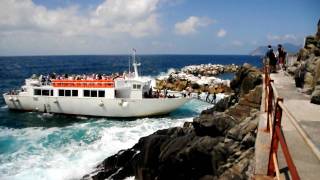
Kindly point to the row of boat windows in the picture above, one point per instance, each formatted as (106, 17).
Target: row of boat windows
(67, 92)
(93, 93)
(136, 86)
(43, 92)
(63, 92)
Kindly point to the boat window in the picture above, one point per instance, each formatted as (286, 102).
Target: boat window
(93, 93)
(61, 92)
(67, 93)
(138, 86)
(86, 93)
(134, 86)
(101, 93)
(37, 92)
(74, 92)
(51, 92)
(45, 92)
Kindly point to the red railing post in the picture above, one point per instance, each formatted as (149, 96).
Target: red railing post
(270, 105)
(292, 168)
(266, 83)
(275, 137)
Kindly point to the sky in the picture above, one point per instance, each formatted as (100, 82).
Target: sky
(76, 27)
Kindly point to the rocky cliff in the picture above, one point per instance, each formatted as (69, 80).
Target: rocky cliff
(219, 144)
(308, 62)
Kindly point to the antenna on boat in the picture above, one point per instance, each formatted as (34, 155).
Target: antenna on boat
(129, 66)
(135, 64)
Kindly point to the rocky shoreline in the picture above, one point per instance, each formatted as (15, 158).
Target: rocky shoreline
(306, 68)
(198, 78)
(219, 144)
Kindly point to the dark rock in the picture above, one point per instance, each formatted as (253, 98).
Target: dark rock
(217, 125)
(239, 168)
(249, 140)
(315, 97)
(246, 79)
(318, 31)
(190, 160)
(195, 86)
(311, 40)
(216, 145)
(207, 177)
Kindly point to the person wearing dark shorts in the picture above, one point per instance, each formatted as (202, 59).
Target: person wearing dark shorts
(272, 59)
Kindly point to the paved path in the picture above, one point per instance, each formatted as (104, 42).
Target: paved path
(306, 113)
(308, 116)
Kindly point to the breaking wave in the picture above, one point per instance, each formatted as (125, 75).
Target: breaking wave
(70, 152)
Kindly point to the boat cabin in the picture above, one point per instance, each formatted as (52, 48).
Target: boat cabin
(119, 88)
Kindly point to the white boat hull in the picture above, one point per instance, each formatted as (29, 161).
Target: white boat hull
(95, 106)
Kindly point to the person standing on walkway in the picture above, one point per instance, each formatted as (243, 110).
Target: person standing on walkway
(272, 59)
(281, 56)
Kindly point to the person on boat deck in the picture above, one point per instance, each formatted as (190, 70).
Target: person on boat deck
(150, 92)
(165, 93)
(272, 59)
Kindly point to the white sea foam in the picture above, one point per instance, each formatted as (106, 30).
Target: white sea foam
(4, 107)
(164, 75)
(72, 151)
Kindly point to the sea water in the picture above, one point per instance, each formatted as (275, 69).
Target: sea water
(44, 146)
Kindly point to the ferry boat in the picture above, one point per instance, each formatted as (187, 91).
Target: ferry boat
(125, 96)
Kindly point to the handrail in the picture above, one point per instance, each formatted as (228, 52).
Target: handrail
(274, 108)
(302, 132)
(275, 92)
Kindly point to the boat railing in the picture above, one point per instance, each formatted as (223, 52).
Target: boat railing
(83, 83)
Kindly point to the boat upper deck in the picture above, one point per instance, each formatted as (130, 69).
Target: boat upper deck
(109, 83)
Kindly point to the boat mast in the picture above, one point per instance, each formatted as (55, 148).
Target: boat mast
(135, 64)
(129, 66)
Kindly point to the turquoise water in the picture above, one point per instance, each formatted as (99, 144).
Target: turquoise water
(43, 146)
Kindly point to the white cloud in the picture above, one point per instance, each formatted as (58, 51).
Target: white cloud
(286, 37)
(135, 17)
(221, 33)
(254, 42)
(52, 28)
(237, 43)
(190, 25)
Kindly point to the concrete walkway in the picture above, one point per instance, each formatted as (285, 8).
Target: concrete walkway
(308, 116)
(306, 113)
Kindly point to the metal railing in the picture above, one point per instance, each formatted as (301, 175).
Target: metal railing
(275, 108)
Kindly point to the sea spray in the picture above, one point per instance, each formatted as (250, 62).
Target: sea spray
(71, 151)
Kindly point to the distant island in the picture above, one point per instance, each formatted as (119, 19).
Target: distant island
(261, 50)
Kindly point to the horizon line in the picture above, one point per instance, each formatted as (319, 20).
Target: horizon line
(142, 54)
